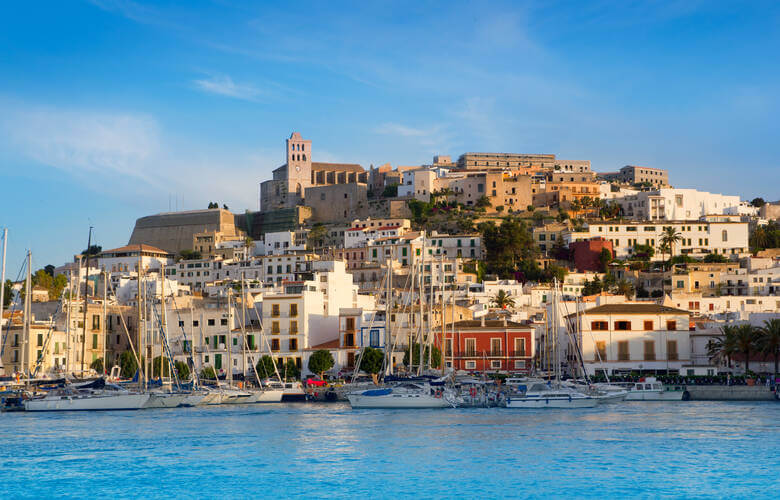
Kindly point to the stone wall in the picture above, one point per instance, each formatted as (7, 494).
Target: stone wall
(173, 231)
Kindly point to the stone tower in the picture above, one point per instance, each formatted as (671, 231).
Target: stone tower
(298, 165)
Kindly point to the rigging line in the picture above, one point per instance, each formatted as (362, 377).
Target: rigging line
(267, 344)
(370, 326)
(127, 332)
(190, 358)
(13, 308)
(164, 341)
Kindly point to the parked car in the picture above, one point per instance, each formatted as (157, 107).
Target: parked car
(314, 381)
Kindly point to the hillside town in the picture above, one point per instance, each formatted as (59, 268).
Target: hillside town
(493, 263)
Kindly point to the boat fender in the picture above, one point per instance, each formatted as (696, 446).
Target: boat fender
(473, 392)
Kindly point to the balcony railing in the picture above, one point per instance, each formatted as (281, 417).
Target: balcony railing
(489, 354)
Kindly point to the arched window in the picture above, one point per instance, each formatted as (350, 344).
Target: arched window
(304, 157)
(298, 189)
(303, 147)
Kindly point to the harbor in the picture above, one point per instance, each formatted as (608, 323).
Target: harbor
(690, 450)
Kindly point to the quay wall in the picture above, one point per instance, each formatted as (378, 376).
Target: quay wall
(730, 393)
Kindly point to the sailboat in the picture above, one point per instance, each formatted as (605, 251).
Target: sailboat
(552, 394)
(96, 395)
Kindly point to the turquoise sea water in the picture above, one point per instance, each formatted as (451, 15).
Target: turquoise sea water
(650, 450)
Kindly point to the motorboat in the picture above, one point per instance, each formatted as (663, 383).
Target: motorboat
(291, 391)
(97, 395)
(650, 389)
(544, 395)
(404, 395)
(264, 396)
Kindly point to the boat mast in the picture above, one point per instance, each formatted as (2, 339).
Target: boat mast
(86, 297)
(68, 319)
(105, 315)
(229, 340)
(443, 315)
(2, 291)
(420, 299)
(139, 343)
(243, 327)
(27, 296)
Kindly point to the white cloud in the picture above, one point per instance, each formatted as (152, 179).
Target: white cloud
(225, 86)
(129, 156)
(435, 138)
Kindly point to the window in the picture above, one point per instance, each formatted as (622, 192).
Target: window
(94, 341)
(671, 325)
(622, 325)
(293, 310)
(471, 347)
(495, 347)
(275, 311)
(374, 338)
(623, 351)
(223, 322)
(724, 235)
(599, 325)
(649, 350)
(275, 327)
(680, 284)
(211, 322)
(274, 344)
(195, 323)
(293, 327)
(601, 351)
(471, 365)
(350, 324)
(95, 322)
(495, 364)
(519, 364)
(671, 350)
(293, 344)
(40, 340)
(648, 324)
(519, 347)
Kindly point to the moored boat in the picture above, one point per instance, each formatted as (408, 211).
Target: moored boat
(407, 395)
(541, 395)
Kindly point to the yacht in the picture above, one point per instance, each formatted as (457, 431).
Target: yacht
(97, 395)
(161, 399)
(405, 395)
(650, 389)
(544, 395)
(291, 391)
(265, 396)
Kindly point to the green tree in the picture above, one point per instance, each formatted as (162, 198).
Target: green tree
(97, 365)
(562, 215)
(92, 250)
(625, 287)
(605, 258)
(670, 237)
(182, 370)
(265, 367)
(190, 254)
(390, 191)
(715, 257)
(372, 362)
(128, 365)
(502, 300)
(316, 237)
(7, 293)
(482, 202)
(769, 340)
(745, 339)
(291, 371)
(166, 367)
(435, 355)
(321, 361)
(758, 202)
(508, 245)
(643, 252)
(208, 373)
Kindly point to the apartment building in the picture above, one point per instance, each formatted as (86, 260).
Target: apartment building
(524, 162)
(634, 337)
(489, 346)
(125, 259)
(698, 237)
(677, 204)
(632, 174)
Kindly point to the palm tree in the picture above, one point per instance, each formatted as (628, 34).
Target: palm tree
(745, 342)
(722, 348)
(503, 300)
(769, 340)
(625, 287)
(669, 237)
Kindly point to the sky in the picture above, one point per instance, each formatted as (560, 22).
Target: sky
(111, 110)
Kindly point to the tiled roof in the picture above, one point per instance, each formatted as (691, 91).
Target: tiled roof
(134, 248)
(632, 309)
(344, 167)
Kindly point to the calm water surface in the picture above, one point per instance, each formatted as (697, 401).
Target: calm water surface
(688, 450)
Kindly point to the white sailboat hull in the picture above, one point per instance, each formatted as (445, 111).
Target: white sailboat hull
(165, 400)
(265, 396)
(397, 401)
(88, 403)
(194, 399)
(551, 402)
(654, 396)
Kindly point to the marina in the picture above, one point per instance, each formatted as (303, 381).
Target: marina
(690, 450)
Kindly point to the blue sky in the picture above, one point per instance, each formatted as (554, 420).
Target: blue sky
(111, 109)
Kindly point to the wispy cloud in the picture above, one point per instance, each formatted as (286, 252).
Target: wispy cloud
(435, 138)
(225, 86)
(131, 154)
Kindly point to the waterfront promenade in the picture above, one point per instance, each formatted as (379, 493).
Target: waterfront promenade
(645, 450)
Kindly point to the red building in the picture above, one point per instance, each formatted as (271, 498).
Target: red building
(489, 345)
(586, 253)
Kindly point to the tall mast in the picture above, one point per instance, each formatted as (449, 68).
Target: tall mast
(105, 316)
(2, 288)
(141, 369)
(27, 299)
(443, 319)
(163, 323)
(388, 313)
(67, 325)
(243, 326)
(86, 297)
(420, 298)
(229, 340)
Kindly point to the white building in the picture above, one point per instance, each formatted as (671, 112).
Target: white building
(467, 246)
(646, 338)
(282, 242)
(357, 237)
(672, 204)
(125, 259)
(699, 237)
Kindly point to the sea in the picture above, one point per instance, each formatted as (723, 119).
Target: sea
(306, 450)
